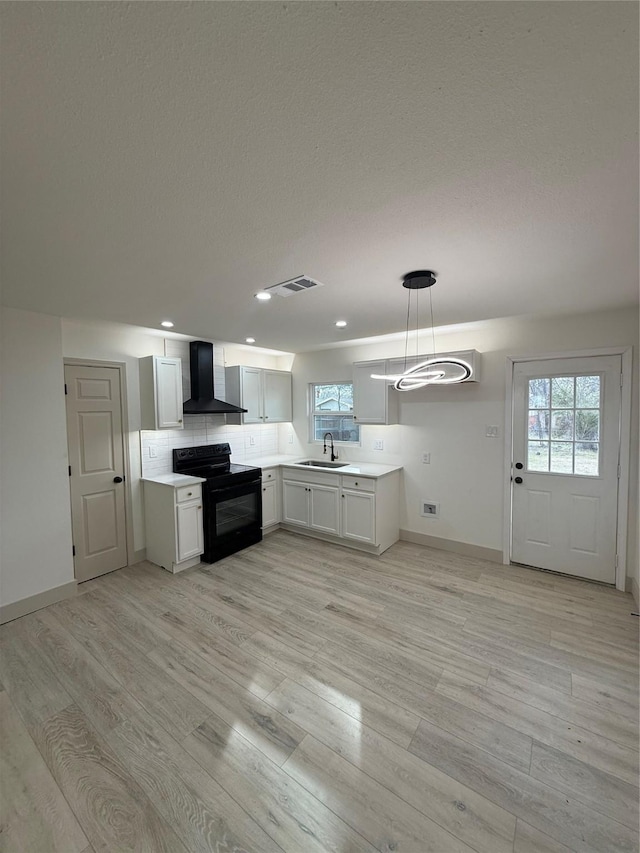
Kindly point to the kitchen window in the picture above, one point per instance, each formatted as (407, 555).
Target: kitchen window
(331, 408)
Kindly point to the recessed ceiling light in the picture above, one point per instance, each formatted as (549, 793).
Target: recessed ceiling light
(250, 340)
(167, 324)
(341, 323)
(263, 296)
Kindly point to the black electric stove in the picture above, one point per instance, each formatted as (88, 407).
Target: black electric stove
(232, 498)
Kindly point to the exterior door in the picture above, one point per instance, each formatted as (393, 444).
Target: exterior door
(566, 439)
(96, 456)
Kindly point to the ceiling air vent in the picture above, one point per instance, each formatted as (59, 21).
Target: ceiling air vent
(294, 285)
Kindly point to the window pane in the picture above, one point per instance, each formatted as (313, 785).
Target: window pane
(539, 393)
(588, 424)
(562, 392)
(538, 424)
(588, 391)
(538, 456)
(341, 427)
(587, 455)
(562, 425)
(333, 398)
(562, 457)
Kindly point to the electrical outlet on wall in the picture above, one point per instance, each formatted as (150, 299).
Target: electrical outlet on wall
(290, 438)
(491, 431)
(153, 452)
(426, 458)
(252, 441)
(378, 444)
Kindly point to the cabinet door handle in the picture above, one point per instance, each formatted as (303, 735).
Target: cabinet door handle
(179, 420)
(264, 490)
(189, 494)
(199, 507)
(356, 482)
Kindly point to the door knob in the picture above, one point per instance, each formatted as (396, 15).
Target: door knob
(519, 466)
(117, 479)
(518, 480)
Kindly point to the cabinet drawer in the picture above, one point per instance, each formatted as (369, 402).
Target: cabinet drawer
(188, 493)
(269, 475)
(365, 484)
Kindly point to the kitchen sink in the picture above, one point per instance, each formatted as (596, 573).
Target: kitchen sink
(313, 463)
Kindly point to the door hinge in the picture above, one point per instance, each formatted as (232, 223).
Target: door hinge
(616, 561)
(69, 470)
(619, 472)
(65, 388)
(73, 549)
(621, 379)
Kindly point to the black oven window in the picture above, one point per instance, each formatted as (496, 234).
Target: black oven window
(236, 513)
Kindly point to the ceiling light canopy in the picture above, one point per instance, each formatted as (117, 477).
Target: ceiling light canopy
(167, 324)
(263, 296)
(250, 340)
(443, 370)
(341, 323)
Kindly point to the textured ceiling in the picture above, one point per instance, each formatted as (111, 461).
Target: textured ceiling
(170, 159)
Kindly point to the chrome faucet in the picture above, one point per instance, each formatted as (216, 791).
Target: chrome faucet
(334, 455)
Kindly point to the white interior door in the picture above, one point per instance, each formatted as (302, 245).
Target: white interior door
(96, 456)
(566, 443)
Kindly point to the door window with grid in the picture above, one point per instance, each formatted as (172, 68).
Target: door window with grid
(563, 434)
(332, 411)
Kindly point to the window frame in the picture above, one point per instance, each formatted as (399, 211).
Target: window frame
(312, 413)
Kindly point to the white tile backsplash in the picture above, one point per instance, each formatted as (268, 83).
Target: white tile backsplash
(204, 429)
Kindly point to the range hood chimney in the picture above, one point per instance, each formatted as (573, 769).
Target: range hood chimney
(202, 401)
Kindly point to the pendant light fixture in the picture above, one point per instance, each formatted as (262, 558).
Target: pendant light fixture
(444, 370)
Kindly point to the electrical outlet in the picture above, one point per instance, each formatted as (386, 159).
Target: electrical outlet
(153, 452)
(491, 432)
(426, 458)
(378, 444)
(252, 441)
(290, 438)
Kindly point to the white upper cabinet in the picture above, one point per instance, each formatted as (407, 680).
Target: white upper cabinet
(265, 394)
(277, 396)
(374, 401)
(161, 392)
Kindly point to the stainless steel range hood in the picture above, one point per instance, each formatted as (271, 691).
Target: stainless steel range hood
(202, 401)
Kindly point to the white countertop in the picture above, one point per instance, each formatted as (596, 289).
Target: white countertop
(363, 469)
(174, 480)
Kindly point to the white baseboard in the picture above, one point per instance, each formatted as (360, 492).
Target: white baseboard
(9, 612)
(464, 548)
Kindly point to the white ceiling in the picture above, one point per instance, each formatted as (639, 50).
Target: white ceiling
(170, 159)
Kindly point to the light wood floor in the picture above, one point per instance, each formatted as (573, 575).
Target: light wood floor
(302, 697)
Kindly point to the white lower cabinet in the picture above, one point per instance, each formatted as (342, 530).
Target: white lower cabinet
(359, 516)
(324, 515)
(270, 498)
(173, 523)
(363, 511)
(312, 505)
(189, 530)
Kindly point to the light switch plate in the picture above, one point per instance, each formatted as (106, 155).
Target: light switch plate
(153, 452)
(378, 444)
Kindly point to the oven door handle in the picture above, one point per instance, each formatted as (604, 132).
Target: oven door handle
(235, 491)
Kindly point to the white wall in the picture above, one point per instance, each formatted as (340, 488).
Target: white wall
(35, 515)
(466, 471)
